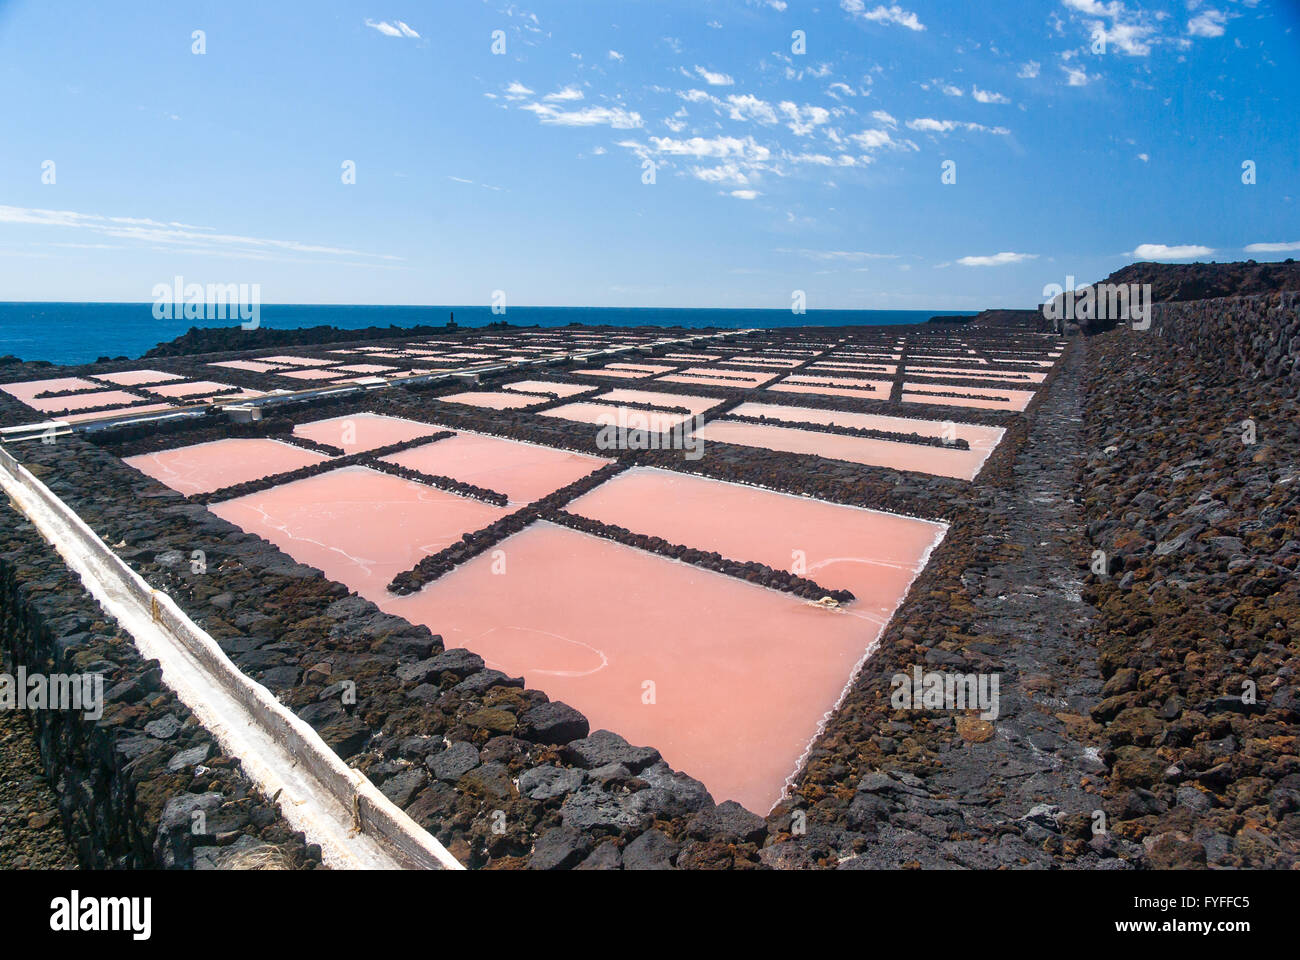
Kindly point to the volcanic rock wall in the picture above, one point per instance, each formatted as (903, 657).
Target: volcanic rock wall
(131, 782)
(1258, 336)
(1193, 502)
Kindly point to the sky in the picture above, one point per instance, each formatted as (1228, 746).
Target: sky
(669, 153)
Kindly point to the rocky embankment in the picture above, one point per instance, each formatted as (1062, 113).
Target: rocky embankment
(1193, 500)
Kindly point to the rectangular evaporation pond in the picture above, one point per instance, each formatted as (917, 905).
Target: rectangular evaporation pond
(719, 378)
(764, 361)
(359, 526)
(628, 418)
(979, 398)
(912, 457)
(133, 378)
(524, 472)
(84, 401)
(983, 440)
(829, 366)
(655, 398)
(292, 361)
(358, 432)
(330, 374)
(196, 388)
(27, 390)
(118, 412)
(364, 368)
(875, 555)
(835, 387)
(691, 357)
(252, 366)
(205, 467)
(1027, 363)
(742, 675)
(545, 386)
(493, 400)
(1003, 375)
(619, 374)
(946, 356)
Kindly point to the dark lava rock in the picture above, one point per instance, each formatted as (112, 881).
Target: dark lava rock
(453, 763)
(604, 747)
(553, 722)
(650, 851)
(403, 786)
(606, 856)
(559, 849)
(543, 783)
(730, 820)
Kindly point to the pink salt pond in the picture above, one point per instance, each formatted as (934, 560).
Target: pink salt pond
(330, 374)
(360, 527)
(133, 378)
(358, 432)
(205, 467)
(292, 361)
(493, 400)
(27, 390)
(964, 466)
(627, 418)
(524, 472)
(980, 398)
(982, 374)
(835, 386)
(252, 366)
(545, 386)
(196, 388)
(719, 377)
(742, 676)
(83, 401)
(913, 457)
(653, 398)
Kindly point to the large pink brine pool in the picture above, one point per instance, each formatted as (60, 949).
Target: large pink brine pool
(205, 467)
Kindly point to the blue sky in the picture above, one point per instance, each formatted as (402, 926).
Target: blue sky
(1084, 134)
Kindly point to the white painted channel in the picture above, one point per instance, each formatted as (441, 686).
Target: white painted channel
(356, 826)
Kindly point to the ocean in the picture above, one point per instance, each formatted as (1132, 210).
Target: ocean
(70, 333)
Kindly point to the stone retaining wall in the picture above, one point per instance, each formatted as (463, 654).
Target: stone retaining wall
(1259, 336)
(130, 782)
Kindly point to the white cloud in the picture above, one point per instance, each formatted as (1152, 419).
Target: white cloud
(750, 107)
(1273, 247)
(1076, 76)
(1144, 157)
(803, 120)
(987, 96)
(880, 116)
(930, 125)
(1030, 70)
(593, 116)
(997, 259)
(517, 91)
(1160, 251)
(720, 147)
(840, 256)
(882, 14)
(1210, 23)
(395, 29)
(615, 55)
(872, 139)
(713, 79)
(744, 194)
(565, 95)
(172, 234)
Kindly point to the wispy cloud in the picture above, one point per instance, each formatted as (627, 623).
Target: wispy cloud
(1273, 247)
(882, 14)
(712, 79)
(172, 235)
(1160, 251)
(593, 116)
(1208, 23)
(997, 259)
(987, 96)
(930, 125)
(396, 28)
